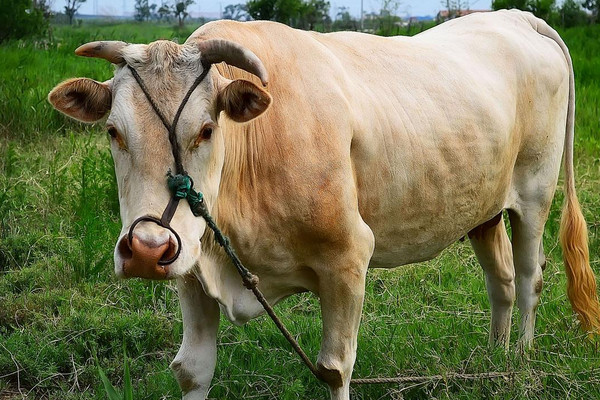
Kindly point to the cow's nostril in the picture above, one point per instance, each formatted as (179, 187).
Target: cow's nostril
(170, 252)
(124, 248)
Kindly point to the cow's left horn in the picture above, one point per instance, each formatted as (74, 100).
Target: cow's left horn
(218, 50)
(109, 50)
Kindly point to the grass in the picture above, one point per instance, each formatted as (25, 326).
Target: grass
(62, 309)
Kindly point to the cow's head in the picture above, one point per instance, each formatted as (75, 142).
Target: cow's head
(139, 141)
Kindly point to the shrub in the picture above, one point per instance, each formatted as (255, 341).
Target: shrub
(21, 18)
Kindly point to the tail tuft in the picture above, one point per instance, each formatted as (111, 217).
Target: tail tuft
(581, 282)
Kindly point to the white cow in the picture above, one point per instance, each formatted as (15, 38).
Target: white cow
(362, 151)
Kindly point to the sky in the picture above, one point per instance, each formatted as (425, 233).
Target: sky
(211, 8)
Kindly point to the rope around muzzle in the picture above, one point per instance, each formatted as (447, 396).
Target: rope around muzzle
(181, 186)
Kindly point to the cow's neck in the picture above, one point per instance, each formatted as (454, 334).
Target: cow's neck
(236, 211)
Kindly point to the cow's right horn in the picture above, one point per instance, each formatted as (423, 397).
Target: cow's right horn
(218, 50)
(109, 50)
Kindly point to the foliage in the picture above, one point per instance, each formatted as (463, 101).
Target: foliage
(540, 8)
(274, 10)
(344, 21)
(237, 12)
(22, 18)
(61, 304)
(111, 391)
(306, 14)
(571, 14)
(180, 10)
(593, 6)
(454, 7)
(313, 13)
(143, 10)
(508, 4)
(388, 18)
(44, 6)
(164, 12)
(71, 8)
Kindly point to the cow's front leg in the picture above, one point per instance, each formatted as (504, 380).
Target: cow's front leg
(341, 306)
(194, 364)
(341, 292)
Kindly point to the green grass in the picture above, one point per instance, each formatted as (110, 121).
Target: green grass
(61, 306)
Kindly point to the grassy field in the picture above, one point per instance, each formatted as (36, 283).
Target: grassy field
(61, 308)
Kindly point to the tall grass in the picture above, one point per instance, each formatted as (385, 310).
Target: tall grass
(60, 302)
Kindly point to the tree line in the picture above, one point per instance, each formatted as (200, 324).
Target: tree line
(569, 13)
(31, 17)
(315, 14)
(144, 11)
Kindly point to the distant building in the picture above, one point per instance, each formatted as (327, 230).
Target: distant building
(445, 15)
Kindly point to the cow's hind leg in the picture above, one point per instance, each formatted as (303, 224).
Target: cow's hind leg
(527, 225)
(341, 292)
(493, 250)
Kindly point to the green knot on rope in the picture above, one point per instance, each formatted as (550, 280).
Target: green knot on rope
(181, 187)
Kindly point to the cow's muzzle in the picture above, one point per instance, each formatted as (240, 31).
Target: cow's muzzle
(147, 258)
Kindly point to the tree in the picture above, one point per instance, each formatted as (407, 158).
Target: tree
(571, 14)
(43, 6)
(314, 12)
(285, 11)
(388, 17)
(508, 4)
(455, 7)
(21, 18)
(540, 8)
(71, 8)
(143, 11)
(164, 12)
(288, 11)
(261, 9)
(594, 7)
(305, 14)
(237, 12)
(180, 10)
(344, 21)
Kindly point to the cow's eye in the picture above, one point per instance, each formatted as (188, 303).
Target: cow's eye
(112, 131)
(205, 134)
(114, 134)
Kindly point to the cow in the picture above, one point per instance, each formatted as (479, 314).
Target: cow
(321, 155)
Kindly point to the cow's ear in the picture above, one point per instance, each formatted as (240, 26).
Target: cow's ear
(82, 99)
(243, 100)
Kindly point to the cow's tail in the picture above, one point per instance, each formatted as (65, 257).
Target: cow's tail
(581, 282)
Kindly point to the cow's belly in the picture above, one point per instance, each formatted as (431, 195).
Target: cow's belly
(418, 201)
(418, 224)
(404, 237)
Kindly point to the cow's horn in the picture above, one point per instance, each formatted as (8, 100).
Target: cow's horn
(109, 50)
(218, 50)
